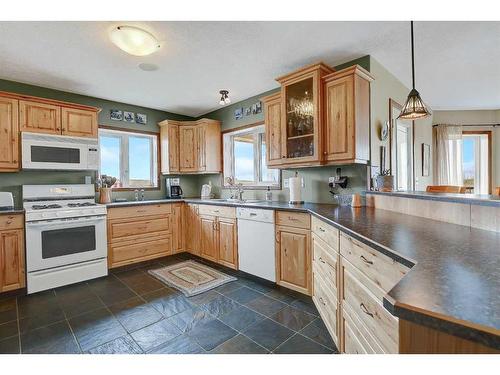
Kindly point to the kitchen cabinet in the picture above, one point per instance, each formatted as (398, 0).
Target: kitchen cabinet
(9, 135)
(192, 228)
(78, 122)
(189, 147)
(227, 242)
(139, 233)
(38, 117)
(208, 237)
(272, 120)
(12, 262)
(347, 116)
(293, 254)
(177, 227)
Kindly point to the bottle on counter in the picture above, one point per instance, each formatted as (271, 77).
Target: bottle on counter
(269, 194)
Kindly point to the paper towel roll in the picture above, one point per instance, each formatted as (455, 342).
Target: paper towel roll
(295, 186)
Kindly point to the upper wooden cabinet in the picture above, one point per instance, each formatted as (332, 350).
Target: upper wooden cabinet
(38, 117)
(79, 123)
(319, 117)
(190, 146)
(347, 116)
(9, 135)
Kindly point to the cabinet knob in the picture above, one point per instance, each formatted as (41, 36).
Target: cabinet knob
(284, 157)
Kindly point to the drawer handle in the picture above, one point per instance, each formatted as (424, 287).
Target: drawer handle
(141, 210)
(322, 301)
(322, 230)
(9, 222)
(365, 260)
(217, 211)
(321, 260)
(253, 214)
(292, 218)
(365, 310)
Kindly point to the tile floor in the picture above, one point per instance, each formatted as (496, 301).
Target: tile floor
(131, 312)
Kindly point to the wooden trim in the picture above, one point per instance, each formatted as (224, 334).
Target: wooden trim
(487, 132)
(49, 101)
(243, 127)
(158, 155)
(305, 70)
(354, 69)
(392, 103)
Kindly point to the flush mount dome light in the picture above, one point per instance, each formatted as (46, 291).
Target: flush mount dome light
(135, 41)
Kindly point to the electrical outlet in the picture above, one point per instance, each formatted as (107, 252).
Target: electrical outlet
(285, 183)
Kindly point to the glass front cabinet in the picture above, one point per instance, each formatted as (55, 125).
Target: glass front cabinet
(301, 120)
(320, 116)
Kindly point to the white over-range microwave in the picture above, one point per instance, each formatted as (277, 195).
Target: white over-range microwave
(56, 152)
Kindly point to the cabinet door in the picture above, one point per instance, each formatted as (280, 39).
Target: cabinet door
(228, 243)
(192, 229)
(39, 117)
(340, 119)
(79, 123)
(293, 259)
(188, 148)
(272, 110)
(173, 148)
(208, 238)
(12, 260)
(9, 135)
(202, 149)
(177, 227)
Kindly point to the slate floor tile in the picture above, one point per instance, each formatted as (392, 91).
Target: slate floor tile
(8, 329)
(318, 332)
(299, 344)
(121, 345)
(135, 314)
(293, 318)
(167, 302)
(77, 299)
(212, 334)
(203, 298)
(53, 339)
(10, 345)
(239, 345)
(241, 318)
(38, 303)
(96, 328)
(140, 282)
(243, 295)
(220, 306)
(180, 345)
(187, 320)
(45, 317)
(8, 310)
(255, 285)
(281, 296)
(268, 334)
(265, 305)
(155, 334)
(305, 305)
(228, 287)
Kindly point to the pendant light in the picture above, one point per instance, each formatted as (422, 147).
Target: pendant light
(414, 107)
(224, 98)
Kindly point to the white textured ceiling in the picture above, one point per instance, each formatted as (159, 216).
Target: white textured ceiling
(458, 63)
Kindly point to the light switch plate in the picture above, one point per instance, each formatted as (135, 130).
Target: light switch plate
(285, 183)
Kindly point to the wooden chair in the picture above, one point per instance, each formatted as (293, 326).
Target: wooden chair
(445, 189)
(497, 190)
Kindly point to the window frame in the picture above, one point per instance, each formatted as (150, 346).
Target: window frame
(112, 131)
(229, 161)
(488, 133)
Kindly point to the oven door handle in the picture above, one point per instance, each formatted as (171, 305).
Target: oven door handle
(93, 219)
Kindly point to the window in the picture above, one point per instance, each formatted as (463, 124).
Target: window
(130, 157)
(245, 158)
(475, 161)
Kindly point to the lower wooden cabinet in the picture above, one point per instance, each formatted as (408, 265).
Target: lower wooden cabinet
(191, 230)
(12, 262)
(293, 254)
(177, 227)
(208, 237)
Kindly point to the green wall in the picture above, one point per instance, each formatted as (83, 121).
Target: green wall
(316, 178)
(13, 181)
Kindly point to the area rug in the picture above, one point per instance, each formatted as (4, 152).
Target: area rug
(191, 278)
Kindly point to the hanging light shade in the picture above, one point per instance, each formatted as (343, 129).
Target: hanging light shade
(414, 107)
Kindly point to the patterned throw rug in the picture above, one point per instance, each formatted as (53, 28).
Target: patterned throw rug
(191, 278)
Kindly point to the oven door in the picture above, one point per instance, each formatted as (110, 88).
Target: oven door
(53, 153)
(55, 243)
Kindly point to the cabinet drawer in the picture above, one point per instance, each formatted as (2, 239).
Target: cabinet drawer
(379, 322)
(120, 229)
(221, 211)
(379, 268)
(133, 251)
(293, 219)
(327, 305)
(139, 210)
(357, 339)
(326, 232)
(325, 262)
(11, 221)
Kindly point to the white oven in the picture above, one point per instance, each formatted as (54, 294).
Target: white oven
(56, 152)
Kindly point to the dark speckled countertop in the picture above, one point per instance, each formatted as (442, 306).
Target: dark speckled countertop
(13, 210)
(454, 281)
(475, 199)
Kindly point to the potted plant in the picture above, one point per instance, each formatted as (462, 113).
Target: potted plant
(385, 181)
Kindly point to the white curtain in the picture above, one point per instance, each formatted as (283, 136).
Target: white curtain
(448, 155)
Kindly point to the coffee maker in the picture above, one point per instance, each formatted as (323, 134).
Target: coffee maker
(173, 186)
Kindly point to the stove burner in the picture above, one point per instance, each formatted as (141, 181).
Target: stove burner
(84, 204)
(45, 206)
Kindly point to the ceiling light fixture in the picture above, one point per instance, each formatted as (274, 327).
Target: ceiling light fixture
(414, 107)
(135, 41)
(224, 98)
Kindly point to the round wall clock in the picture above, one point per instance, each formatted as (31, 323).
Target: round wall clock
(384, 132)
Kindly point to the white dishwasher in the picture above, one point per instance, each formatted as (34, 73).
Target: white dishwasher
(256, 242)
